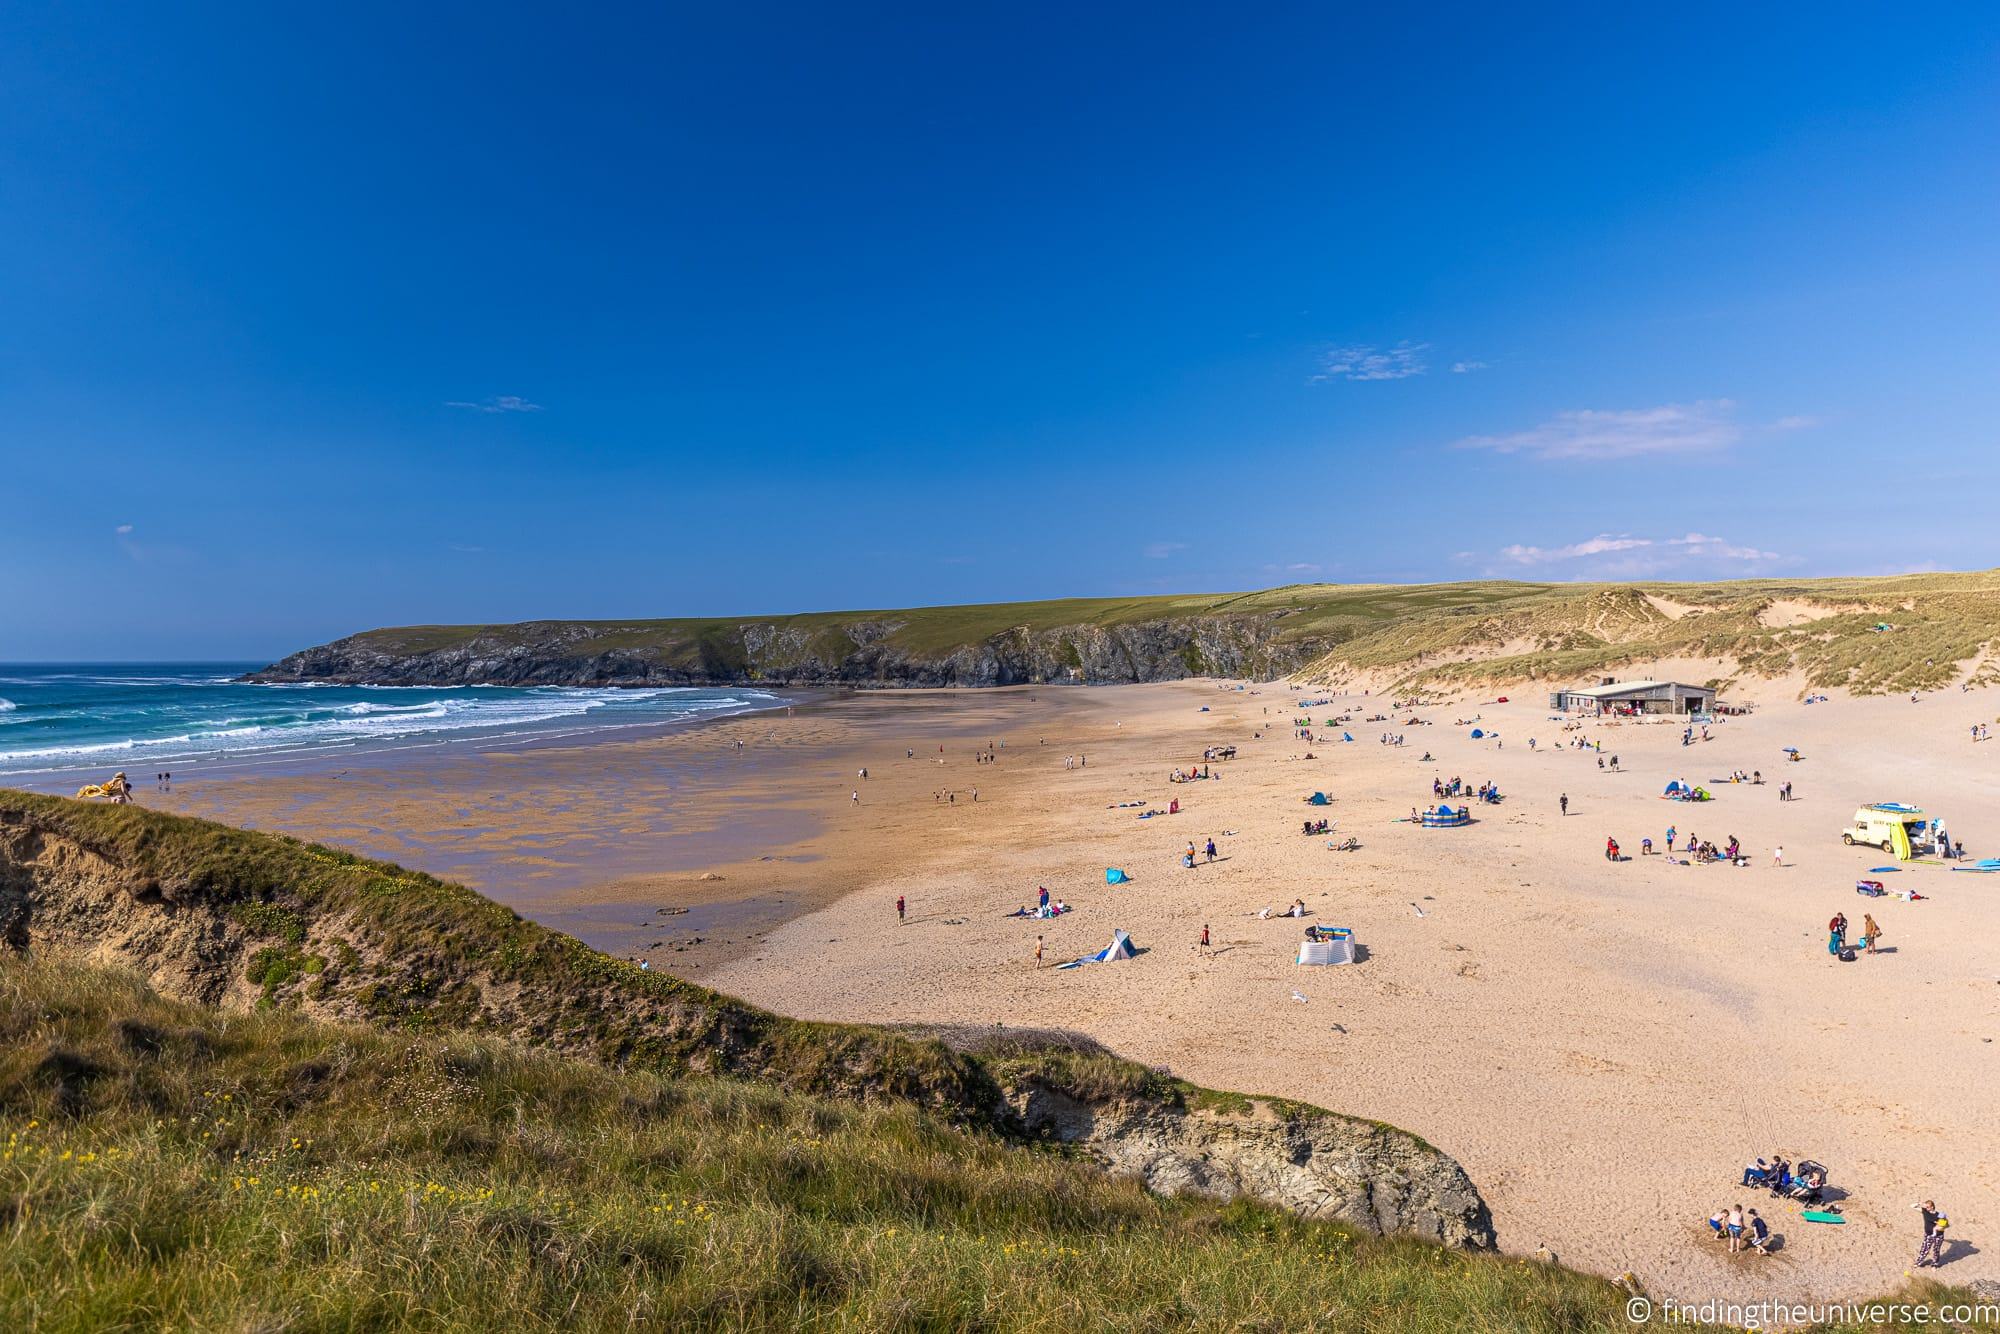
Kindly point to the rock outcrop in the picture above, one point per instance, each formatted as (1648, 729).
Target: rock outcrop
(855, 653)
(1301, 1158)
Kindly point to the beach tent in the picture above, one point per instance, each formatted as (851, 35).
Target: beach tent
(1347, 736)
(1338, 950)
(1476, 734)
(1444, 817)
(1674, 788)
(1114, 876)
(1319, 799)
(1120, 948)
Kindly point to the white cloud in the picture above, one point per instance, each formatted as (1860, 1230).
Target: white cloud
(1719, 547)
(1364, 362)
(1467, 367)
(1294, 567)
(123, 530)
(1621, 555)
(504, 403)
(1162, 550)
(1588, 434)
(1593, 546)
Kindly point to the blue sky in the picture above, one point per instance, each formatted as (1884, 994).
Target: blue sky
(316, 320)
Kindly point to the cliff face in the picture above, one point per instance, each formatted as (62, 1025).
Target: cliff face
(857, 653)
(237, 920)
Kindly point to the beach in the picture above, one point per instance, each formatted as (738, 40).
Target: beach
(1602, 1045)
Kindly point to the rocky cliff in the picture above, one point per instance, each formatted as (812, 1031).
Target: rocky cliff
(857, 653)
(240, 920)
(1891, 634)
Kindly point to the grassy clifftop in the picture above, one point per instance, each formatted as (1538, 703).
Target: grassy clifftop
(250, 922)
(169, 1167)
(1441, 636)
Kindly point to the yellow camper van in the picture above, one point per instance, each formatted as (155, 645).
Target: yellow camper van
(1888, 825)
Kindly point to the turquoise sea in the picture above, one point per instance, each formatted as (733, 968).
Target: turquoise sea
(146, 718)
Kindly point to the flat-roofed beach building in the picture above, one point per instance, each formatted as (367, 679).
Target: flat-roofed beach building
(1610, 696)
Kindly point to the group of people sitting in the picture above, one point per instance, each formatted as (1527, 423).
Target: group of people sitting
(1731, 851)
(1189, 775)
(1317, 826)
(1488, 791)
(1044, 907)
(1806, 1186)
(1298, 909)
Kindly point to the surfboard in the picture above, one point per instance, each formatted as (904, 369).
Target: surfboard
(1883, 870)
(1822, 1216)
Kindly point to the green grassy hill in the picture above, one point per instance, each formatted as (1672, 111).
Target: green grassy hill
(170, 1167)
(1420, 636)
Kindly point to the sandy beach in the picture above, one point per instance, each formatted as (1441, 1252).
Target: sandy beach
(1601, 1045)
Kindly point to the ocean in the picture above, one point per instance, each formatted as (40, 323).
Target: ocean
(64, 719)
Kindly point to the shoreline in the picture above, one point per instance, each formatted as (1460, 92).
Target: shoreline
(277, 754)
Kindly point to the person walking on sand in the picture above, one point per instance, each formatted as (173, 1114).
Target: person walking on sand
(1210, 849)
(1563, 802)
(1670, 840)
(1870, 933)
(1204, 949)
(901, 907)
(1778, 855)
(1038, 951)
(855, 796)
